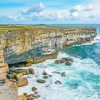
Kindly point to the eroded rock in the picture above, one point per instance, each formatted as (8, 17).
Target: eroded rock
(22, 82)
(68, 61)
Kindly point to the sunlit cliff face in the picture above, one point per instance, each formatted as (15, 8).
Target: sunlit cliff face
(41, 40)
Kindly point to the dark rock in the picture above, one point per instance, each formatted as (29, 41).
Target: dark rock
(36, 96)
(25, 94)
(45, 73)
(11, 76)
(59, 61)
(50, 75)
(58, 82)
(35, 92)
(15, 76)
(31, 71)
(56, 72)
(45, 77)
(34, 88)
(41, 81)
(30, 97)
(63, 74)
(68, 61)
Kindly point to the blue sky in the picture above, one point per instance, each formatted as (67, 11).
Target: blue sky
(49, 11)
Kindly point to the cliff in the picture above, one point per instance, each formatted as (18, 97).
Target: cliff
(8, 89)
(22, 42)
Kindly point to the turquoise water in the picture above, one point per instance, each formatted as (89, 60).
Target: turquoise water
(82, 81)
(84, 74)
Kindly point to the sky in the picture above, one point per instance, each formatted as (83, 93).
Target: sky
(49, 11)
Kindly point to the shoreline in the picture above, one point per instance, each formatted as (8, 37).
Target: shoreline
(36, 60)
(30, 76)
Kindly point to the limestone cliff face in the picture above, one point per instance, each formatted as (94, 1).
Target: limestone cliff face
(22, 42)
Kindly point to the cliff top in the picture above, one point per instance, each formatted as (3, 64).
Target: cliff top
(4, 28)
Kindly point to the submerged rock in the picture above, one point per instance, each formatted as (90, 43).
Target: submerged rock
(45, 77)
(36, 96)
(41, 81)
(55, 72)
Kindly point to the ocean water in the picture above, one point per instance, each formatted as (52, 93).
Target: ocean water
(82, 81)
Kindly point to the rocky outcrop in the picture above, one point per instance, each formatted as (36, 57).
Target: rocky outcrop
(3, 67)
(22, 42)
(68, 61)
(8, 89)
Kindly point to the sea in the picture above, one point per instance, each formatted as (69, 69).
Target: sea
(82, 81)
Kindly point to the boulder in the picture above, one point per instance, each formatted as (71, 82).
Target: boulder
(63, 74)
(16, 70)
(15, 76)
(45, 73)
(22, 97)
(25, 94)
(58, 82)
(68, 61)
(31, 71)
(30, 97)
(22, 82)
(45, 77)
(19, 76)
(11, 76)
(41, 81)
(60, 61)
(34, 89)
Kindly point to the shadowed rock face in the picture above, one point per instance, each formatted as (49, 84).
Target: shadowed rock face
(22, 42)
(8, 89)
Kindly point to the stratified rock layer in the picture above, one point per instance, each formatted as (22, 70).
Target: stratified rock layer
(22, 42)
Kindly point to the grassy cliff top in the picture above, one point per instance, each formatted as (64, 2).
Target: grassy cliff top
(4, 28)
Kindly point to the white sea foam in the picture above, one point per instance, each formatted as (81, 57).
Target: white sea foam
(83, 91)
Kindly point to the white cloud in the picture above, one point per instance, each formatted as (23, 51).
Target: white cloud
(82, 12)
(36, 9)
(90, 12)
(42, 13)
